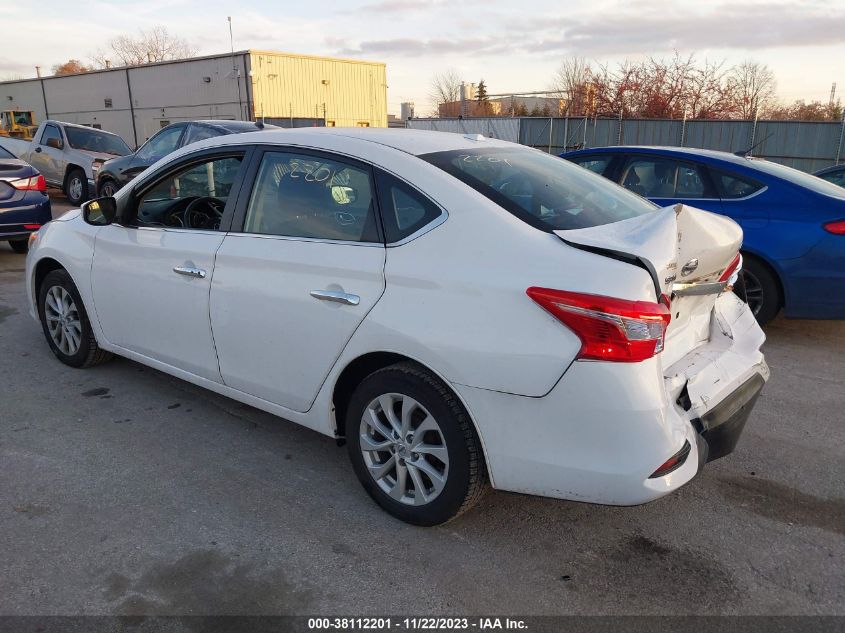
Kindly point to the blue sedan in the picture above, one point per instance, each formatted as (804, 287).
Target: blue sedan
(24, 205)
(794, 223)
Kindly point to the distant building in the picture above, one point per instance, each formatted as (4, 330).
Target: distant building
(503, 106)
(280, 88)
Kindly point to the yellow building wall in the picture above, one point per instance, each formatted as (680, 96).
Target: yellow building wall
(347, 93)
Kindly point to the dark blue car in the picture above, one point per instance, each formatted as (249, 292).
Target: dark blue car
(794, 223)
(24, 205)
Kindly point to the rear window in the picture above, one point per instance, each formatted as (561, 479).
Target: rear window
(813, 183)
(547, 192)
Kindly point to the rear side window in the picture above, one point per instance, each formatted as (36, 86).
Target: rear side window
(836, 177)
(657, 177)
(301, 195)
(595, 164)
(404, 210)
(732, 186)
(547, 192)
(4, 153)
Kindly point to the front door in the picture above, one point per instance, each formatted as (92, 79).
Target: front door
(151, 274)
(290, 289)
(49, 160)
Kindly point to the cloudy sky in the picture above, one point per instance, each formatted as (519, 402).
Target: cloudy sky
(513, 46)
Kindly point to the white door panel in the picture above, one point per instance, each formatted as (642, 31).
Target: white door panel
(274, 339)
(145, 306)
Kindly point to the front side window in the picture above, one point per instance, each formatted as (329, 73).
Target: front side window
(547, 192)
(193, 197)
(91, 140)
(595, 164)
(300, 195)
(656, 177)
(51, 131)
(200, 132)
(161, 144)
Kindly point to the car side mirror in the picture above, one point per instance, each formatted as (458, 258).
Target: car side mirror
(100, 212)
(55, 143)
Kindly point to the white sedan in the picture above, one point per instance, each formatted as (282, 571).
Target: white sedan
(458, 309)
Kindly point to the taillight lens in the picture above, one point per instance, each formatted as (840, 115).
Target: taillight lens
(673, 463)
(36, 183)
(733, 267)
(837, 228)
(610, 329)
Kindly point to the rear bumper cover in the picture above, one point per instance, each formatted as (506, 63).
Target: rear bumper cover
(721, 427)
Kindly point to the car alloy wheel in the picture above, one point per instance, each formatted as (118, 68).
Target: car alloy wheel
(753, 292)
(404, 449)
(74, 188)
(63, 321)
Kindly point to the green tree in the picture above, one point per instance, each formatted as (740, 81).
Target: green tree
(481, 92)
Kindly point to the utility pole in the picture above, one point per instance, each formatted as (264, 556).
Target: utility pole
(832, 93)
(236, 73)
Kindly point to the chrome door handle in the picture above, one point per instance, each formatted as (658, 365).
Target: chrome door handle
(190, 272)
(337, 297)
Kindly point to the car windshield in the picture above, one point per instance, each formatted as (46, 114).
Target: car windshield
(96, 141)
(544, 191)
(800, 178)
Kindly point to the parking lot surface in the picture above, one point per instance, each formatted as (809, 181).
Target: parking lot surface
(126, 491)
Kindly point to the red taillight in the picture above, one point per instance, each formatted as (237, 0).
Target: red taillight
(837, 228)
(31, 227)
(673, 463)
(735, 265)
(36, 183)
(610, 329)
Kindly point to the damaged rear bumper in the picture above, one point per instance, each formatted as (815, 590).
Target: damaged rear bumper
(721, 427)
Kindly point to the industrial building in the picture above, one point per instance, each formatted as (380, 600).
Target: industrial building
(280, 88)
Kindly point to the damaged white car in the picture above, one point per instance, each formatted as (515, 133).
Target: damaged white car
(458, 310)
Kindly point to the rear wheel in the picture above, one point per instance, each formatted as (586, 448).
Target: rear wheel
(413, 446)
(761, 290)
(65, 322)
(19, 246)
(76, 188)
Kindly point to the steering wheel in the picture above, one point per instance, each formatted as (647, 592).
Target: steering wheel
(203, 213)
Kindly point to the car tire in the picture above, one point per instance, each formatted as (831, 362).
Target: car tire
(108, 188)
(65, 322)
(19, 246)
(759, 289)
(425, 477)
(76, 187)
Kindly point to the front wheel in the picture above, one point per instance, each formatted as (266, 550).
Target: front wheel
(76, 188)
(108, 188)
(65, 322)
(413, 446)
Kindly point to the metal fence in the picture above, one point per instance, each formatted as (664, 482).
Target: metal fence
(805, 145)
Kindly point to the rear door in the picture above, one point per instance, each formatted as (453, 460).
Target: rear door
(666, 181)
(292, 285)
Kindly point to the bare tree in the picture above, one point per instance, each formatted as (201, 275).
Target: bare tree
(572, 84)
(445, 87)
(70, 67)
(753, 86)
(153, 45)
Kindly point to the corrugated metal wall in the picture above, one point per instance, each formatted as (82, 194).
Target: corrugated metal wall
(804, 145)
(346, 93)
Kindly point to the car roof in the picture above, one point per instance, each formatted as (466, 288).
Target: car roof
(78, 125)
(667, 150)
(414, 142)
(231, 126)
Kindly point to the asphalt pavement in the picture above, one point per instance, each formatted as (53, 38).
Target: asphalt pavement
(125, 491)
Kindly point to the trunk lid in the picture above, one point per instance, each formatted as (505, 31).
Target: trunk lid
(685, 250)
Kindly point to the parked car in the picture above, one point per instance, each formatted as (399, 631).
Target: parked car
(116, 172)
(458, 309)
(24, 205)
(835, 174)
(68, 155)
(794, 223)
